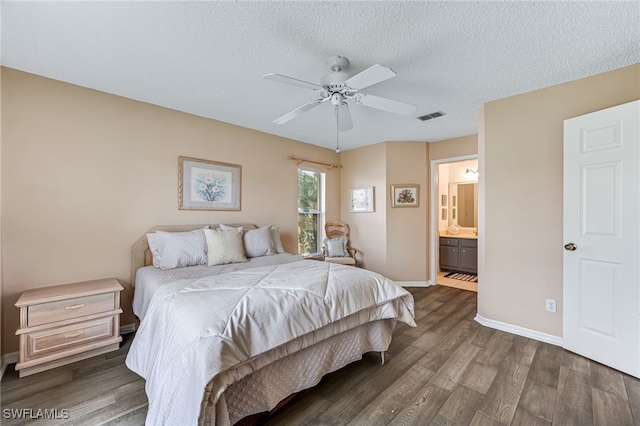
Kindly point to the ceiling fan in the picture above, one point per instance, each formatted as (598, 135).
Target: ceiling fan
(338, 88)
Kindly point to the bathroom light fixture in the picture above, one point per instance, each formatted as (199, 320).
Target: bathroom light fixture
(471, 172)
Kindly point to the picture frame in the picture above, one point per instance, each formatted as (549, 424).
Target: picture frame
(444, 200)
(444, 214)
(208, 185)
(361, 200)
(405, 195)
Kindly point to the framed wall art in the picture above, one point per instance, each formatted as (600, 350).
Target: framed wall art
(208, 185)
(361, 200)
(405, 195)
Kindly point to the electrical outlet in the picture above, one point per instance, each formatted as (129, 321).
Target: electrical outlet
(551, 305)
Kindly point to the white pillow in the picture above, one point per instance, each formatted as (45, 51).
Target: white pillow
(224, 246)
(180, 249)
(153, 246)
(277, 242)
(257, 242)
(336, 247)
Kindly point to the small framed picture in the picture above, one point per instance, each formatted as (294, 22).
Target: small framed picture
(453, 214)
(444, 214)
(361, 200)
(208, 185)
(405, 195)
(444, 200)
(453, 201)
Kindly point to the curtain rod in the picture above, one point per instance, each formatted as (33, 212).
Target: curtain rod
(302, 160)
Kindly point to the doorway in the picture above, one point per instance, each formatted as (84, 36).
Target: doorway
(454, 217)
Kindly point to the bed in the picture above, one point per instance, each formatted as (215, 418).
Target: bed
(220, 342)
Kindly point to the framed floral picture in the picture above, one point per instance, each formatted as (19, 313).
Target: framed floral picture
(405, 195)
(208, 185)
(361, 200)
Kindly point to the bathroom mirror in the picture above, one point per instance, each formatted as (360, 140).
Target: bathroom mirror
(463, 198)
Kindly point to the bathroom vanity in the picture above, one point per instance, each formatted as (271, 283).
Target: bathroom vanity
(459, 253)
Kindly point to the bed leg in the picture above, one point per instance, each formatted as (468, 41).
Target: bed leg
(385, 356)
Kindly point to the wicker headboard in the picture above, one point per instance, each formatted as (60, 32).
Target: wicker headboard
(141, 255)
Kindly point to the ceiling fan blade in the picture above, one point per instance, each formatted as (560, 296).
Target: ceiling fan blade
(299, 111)
(372, 75)
(384, 104)
(293, 81)
(344, 117)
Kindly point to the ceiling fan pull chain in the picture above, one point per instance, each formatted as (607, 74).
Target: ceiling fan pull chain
(335, 107)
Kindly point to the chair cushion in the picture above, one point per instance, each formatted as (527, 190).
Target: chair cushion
(336, 247)
(341, 260)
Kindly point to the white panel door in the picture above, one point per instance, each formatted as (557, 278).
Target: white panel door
(602, 237)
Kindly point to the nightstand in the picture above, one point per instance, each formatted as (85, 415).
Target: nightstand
(66, 323)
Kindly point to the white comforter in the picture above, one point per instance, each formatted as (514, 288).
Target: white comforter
(193, 331)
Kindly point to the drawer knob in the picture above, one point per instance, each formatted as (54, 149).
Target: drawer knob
(72, 335)
(72, 307)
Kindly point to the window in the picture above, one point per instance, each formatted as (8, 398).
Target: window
(310, 211)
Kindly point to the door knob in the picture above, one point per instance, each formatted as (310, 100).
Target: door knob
(570, 247)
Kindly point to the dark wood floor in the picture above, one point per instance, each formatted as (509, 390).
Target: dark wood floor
(448, 371)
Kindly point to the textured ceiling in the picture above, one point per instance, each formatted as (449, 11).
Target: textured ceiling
(208, 58)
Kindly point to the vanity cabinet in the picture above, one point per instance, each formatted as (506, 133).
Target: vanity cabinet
(459, 254)
(449, 254)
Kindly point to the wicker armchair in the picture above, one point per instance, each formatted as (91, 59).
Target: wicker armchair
(336, 248)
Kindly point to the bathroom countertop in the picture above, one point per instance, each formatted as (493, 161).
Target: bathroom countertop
(467, 235)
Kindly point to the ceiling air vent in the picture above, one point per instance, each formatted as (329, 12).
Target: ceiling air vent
(431, 116)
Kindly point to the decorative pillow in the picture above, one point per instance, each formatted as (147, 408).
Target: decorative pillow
(257, 242)
(153, 246)
(277, 242)
(336, 247)
(224, 246)
(180, 249)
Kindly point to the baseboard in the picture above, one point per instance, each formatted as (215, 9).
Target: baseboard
(414, 283)
(12, 358)
(520, 331)
(127, 328)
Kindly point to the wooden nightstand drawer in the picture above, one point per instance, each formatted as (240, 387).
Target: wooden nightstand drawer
(77, 307)
(59, 340)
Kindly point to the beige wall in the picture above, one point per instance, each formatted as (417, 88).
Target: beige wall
(407, 227)
(457, 147)
(393, 241)
(366, 167)
(522, 172)
(1, 285)
(85, 174)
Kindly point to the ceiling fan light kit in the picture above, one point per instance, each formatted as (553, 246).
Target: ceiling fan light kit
(339, 88)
